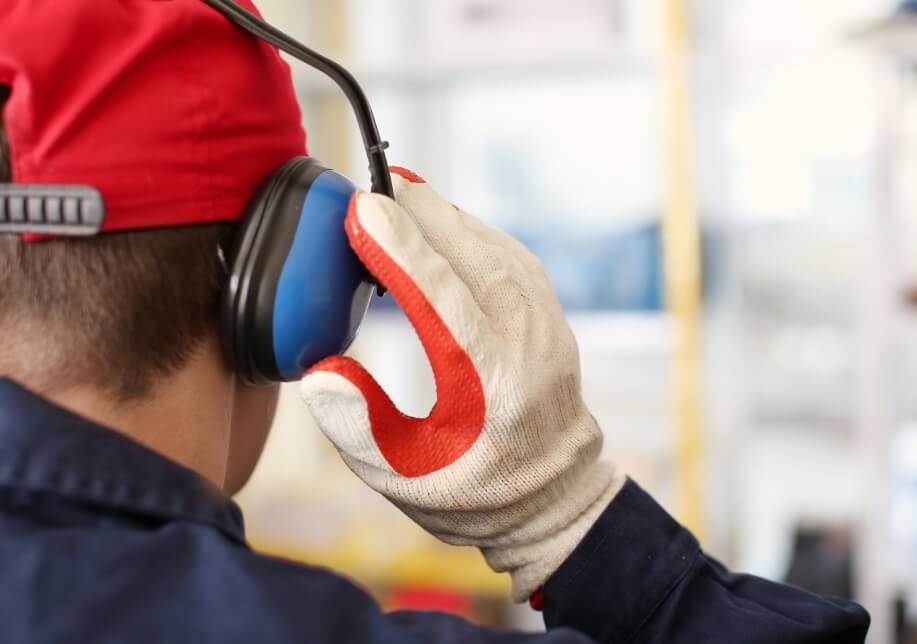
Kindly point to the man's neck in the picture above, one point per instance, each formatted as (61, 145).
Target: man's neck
(186, 418)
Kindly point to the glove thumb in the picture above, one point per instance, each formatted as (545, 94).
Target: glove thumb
(337, 391)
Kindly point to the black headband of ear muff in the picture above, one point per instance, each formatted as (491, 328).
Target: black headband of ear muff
(372, 141)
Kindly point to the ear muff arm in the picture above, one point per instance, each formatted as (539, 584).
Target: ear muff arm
(372, 141)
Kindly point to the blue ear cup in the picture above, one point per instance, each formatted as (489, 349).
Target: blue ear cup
(297, 292)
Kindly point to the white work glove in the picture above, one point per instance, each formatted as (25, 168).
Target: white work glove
(507, 460)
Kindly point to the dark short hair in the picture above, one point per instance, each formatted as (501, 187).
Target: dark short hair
(116, 312)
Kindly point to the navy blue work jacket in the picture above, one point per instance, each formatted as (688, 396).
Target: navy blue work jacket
(102, 540)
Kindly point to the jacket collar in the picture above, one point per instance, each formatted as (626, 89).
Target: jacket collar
(44, 448)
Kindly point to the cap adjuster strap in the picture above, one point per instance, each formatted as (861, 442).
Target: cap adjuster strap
(70, 210)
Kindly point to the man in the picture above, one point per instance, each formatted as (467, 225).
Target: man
(122, 429)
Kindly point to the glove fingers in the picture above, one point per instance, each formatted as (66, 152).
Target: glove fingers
(499, 239)
(511, 249)
(446, 318)
(439, 222)
(388, 241)
(465, 242)
(504, 278)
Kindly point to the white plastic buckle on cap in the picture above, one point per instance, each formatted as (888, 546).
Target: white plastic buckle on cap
(69, 210)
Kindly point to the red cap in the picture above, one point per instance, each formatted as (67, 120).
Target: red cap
(174, 114)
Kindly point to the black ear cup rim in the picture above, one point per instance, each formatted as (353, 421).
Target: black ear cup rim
(241, 282)
(260, 249)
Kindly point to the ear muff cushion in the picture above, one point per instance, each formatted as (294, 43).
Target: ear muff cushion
(323, 291)
(246, 262)
(296, 292)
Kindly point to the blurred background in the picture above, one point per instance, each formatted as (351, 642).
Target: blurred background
(722, 193)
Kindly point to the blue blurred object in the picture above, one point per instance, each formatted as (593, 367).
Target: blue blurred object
(908, 5)
(610, 271)
(615, 271)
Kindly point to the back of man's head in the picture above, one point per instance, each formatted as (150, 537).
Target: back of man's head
(175, 116)
(112, 312)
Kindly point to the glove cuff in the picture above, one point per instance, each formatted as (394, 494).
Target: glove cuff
(532, 563)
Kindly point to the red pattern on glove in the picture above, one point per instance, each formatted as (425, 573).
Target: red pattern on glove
(412, 446)
(536, 601)
(404, 173)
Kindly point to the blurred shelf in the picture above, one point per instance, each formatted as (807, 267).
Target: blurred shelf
(625, 333)
(621, 333)
(895, 35)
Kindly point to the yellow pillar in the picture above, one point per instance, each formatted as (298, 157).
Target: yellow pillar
(682, 265)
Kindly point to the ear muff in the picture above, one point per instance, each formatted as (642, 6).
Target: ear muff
(297, 292)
